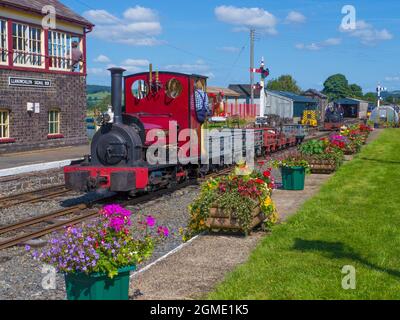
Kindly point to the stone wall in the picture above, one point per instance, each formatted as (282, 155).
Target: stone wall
(67, 93)
(29, 182)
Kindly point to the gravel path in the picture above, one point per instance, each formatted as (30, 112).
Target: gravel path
(21, 277)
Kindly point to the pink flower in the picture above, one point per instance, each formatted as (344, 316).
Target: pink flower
(164, 231)
(150, 221)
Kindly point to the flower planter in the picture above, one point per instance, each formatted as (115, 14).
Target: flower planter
(81, 286)
(293, 178)
(318, 166)
(220, 220)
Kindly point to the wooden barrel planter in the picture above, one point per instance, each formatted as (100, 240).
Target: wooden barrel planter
(220, 220)
(322, 166)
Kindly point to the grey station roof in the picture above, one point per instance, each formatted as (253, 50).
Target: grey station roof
(62, 11)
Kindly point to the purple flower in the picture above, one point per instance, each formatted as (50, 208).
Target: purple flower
(164, 231)
(27, 248)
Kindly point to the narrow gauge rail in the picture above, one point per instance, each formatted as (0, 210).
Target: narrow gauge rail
(32, 196)
(84, 212)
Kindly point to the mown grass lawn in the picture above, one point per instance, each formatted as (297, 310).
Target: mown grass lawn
(354, 220)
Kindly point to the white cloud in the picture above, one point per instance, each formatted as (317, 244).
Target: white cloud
(315, 46)
(139, 27)
(332, 42)
(295, 17)
(198, 67)
(102, 59)
(101, 17)
(367, 34)
(139, 13)
(392, 79)
(97, 71)
(246, 18)
(229, 49)
(136, 62)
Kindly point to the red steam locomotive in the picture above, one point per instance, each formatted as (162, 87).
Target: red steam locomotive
(118, 161)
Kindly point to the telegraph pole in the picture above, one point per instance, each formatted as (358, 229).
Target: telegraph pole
(252, 33)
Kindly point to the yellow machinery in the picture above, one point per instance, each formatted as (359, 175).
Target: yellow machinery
(310, 118)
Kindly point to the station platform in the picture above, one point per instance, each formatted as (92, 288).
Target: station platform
(40, 160)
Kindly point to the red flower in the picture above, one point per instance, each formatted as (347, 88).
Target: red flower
(259, 181)
(266, 174)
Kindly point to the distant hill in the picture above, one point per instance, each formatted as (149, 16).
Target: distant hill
(93, 89)
(98, 97)
(395, 94)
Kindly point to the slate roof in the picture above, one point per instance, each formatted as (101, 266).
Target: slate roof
(349, 101)
(294, 97)
(227, 92)
(62, 11)
(316, 93)
(244, 90)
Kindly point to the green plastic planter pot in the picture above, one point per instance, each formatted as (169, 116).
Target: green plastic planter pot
(293, 178)
(81, 286)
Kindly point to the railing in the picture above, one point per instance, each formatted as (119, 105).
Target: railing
(25, 59)
(242, 110)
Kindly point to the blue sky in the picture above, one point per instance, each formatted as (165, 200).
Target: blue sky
(302, 38)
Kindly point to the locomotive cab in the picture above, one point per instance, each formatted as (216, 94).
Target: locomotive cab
(163, 102)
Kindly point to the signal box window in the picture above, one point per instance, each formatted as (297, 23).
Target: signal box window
(54, 122)
(65, 52)
(4, 124)
(3, 42)
(27, 45)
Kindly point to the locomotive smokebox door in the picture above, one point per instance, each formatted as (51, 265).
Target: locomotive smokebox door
(123, 181)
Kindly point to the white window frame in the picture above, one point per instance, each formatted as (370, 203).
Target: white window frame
(60, 51)
(57, 121)
(29, 46)
(3, 23)
(4, 124)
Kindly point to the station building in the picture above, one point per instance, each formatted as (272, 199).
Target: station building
(42, 76)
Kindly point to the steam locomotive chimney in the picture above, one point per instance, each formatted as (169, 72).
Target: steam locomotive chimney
(116, 93)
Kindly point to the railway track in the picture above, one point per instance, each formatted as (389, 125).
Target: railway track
(32, 196)
(83, 211)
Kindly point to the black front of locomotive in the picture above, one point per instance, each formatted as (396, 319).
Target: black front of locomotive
(116, 144)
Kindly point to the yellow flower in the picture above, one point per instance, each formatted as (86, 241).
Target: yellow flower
(274, 217)
(267, 201)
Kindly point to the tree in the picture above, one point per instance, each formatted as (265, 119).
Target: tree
(101, 105)
(284, 83)
(370, 97)
(355, 91)
(336, 87)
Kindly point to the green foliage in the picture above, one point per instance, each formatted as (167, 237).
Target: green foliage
(92, 89)
(235, 195)
(312, 147)
(284, 83)
(355, 91)
(99, 101)
(370, 97)
(293, 159)
(336, 87)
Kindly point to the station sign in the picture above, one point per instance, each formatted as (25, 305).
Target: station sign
(28, 82)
